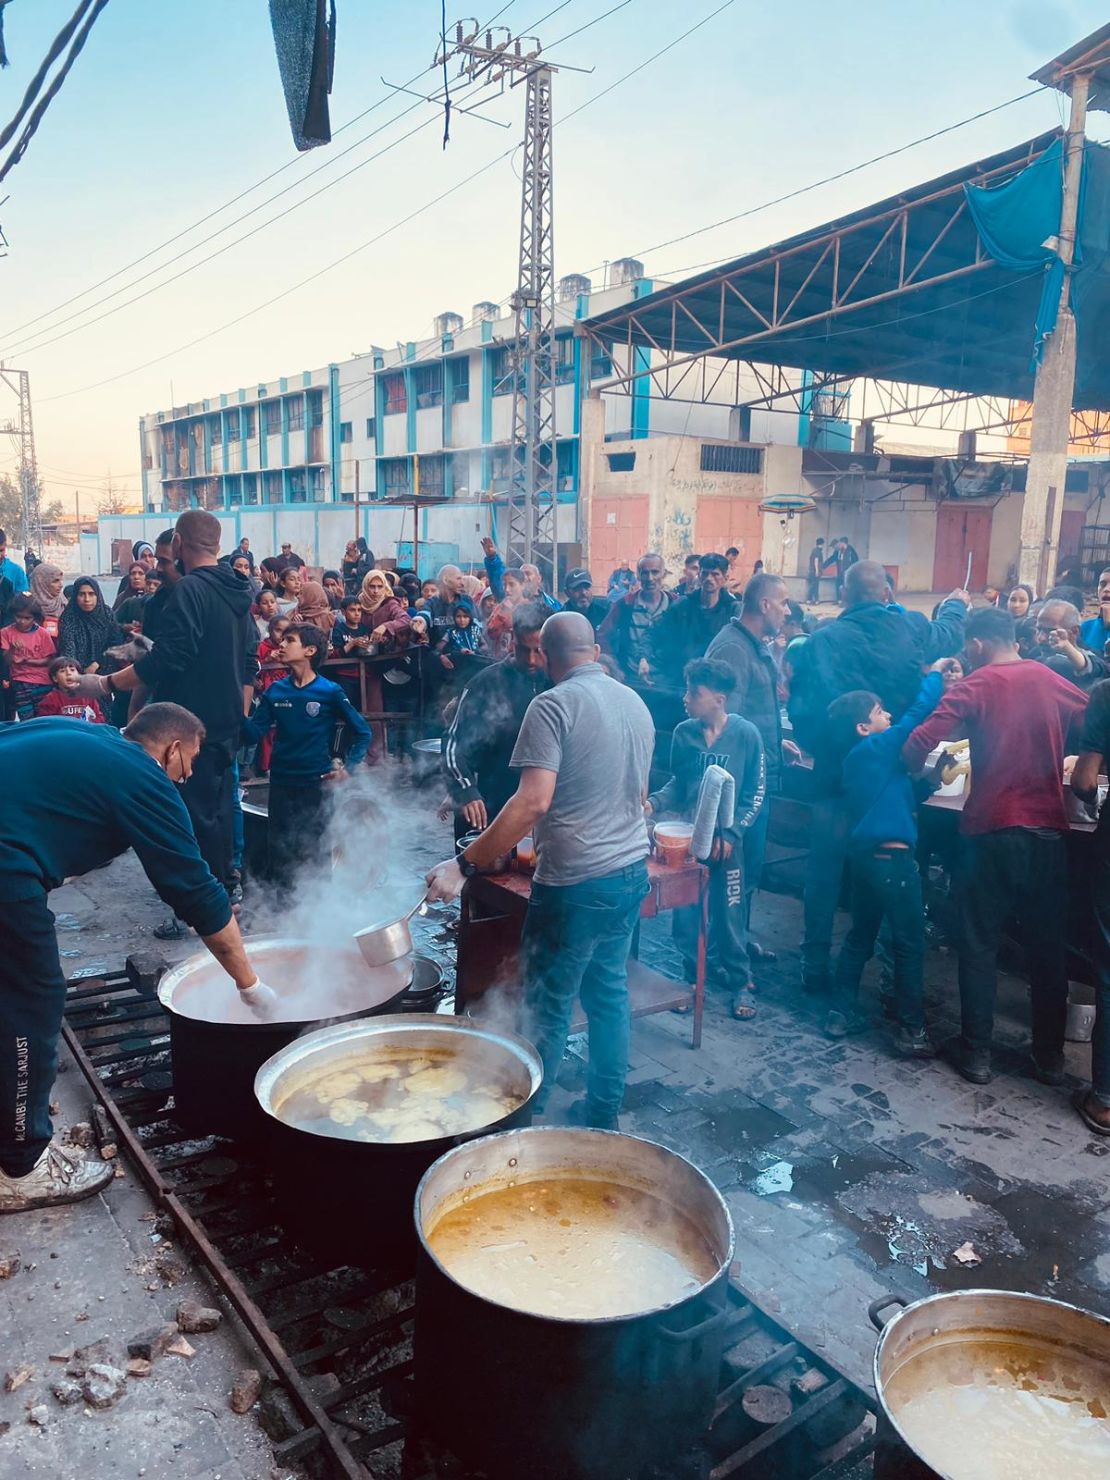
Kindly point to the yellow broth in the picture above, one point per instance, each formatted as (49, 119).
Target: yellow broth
(997, 1409)
(573, 1248)
(398, 1095)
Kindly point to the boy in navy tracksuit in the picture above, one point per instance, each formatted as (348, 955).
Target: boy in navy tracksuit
(304, 709)
(711, 737)
(881, 799)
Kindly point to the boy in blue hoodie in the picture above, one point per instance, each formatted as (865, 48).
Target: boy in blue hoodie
(304, 710)
(882, 799)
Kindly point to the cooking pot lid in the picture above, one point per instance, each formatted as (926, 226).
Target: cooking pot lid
(311, 983)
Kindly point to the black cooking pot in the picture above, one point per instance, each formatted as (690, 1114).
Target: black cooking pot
(350, 1202)
(426, 987)
(514, 1394)
(218, 1044)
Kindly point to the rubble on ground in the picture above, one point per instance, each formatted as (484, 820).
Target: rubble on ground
(194, 1318)
(246, 1390)
(103, 1385)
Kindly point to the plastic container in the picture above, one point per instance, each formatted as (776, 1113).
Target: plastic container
(672, 841)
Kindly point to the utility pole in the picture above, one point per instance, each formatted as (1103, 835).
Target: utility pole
(1082, 73)
(23, 432)
(532, 535)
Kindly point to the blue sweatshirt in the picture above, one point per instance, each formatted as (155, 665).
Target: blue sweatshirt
(76, 796)
(879, 791)
(305, 720)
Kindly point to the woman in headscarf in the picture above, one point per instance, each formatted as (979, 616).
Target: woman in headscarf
(142, 552)
(87, 628)
(357, 561)
(135, 585)
(46, 588)
(387, 620)
(314, 608)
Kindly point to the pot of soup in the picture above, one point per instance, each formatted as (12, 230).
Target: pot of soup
(359, 1111)
(218, 1043)
(571, 1303)
(990, 1385)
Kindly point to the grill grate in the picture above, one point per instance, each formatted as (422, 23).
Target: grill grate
(338, 1341)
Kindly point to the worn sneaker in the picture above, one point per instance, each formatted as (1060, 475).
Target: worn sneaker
(846, 1024)
(170, 929)
(1049, 1069)
(974, 1064)
(583, 1113)
(913, 1045)
(59, 1176)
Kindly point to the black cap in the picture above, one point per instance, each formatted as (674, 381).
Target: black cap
(577, 578)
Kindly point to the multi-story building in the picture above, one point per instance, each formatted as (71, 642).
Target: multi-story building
(421, 432)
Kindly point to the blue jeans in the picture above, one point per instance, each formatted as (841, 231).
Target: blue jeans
(828, 849)
(575, 942)
(886, 885)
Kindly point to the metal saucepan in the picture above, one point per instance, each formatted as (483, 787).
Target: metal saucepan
(350, 1201)
(1037, 1332)
(218, 1043)
(514, 1393)
(389, 937)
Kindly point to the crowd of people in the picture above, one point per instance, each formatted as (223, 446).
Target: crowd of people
(551, 707)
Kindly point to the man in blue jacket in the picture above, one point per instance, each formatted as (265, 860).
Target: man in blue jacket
(876, 645)
(75, 797)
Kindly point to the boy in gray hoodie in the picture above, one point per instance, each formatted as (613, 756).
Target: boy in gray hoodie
(712, 736)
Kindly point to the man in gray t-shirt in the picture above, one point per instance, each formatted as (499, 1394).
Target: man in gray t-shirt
(583, 753)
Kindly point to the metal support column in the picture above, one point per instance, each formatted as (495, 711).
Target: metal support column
(531, 533)
(1055, 383)
(530, 536)
(23, 431)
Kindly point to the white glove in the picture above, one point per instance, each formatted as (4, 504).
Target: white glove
(261, 999)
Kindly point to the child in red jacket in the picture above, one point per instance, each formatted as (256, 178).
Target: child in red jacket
(63, 698)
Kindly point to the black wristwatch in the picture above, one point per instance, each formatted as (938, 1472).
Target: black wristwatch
(466, 868)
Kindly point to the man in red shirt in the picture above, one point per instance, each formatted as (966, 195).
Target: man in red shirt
(1016, 716)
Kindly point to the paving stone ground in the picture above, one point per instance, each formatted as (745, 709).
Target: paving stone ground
(849, 1174)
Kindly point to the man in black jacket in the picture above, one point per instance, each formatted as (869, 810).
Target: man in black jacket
(876, 645)
(481, 737)
(743, 646)
(204, 660)
(691, 624)
(578, 590)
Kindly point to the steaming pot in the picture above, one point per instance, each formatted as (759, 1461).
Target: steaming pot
(512, 1393)
(350, 1202)
(217, 1043)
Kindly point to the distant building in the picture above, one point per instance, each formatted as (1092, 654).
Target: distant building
(431, 419)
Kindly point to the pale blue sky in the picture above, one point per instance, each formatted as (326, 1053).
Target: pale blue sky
(175, 107)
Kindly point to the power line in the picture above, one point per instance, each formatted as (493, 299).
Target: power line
(372, 241)
(27, 349)
(218, 210)
(19, 148)
(840, 175)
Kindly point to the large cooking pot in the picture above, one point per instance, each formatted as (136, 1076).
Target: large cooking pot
(1042, 1331)
(218, 1044)
(350, 1202)
(512, 1393)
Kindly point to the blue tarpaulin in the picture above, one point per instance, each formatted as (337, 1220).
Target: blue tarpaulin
(1016, 220)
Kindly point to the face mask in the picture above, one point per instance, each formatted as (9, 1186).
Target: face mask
(180, 778)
